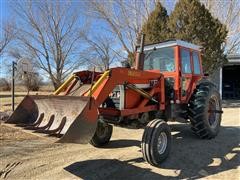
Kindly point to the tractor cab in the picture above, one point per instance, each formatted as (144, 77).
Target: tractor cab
(179, 62)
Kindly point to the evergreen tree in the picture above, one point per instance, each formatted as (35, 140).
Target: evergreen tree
(192, 22)
(155, 28)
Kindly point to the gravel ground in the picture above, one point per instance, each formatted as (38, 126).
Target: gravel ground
(26, 156)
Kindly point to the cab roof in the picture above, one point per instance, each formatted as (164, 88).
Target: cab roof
(171, 43)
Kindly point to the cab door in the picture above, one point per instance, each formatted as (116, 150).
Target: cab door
(197, 68)
(186, 73)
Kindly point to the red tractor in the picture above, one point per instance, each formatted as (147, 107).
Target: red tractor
(167, 83)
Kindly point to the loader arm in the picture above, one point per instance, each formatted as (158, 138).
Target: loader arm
(123, 76)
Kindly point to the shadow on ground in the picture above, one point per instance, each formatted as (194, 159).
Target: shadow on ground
(121, 143)
(190, 158)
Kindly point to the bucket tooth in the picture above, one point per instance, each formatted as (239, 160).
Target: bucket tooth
(36, 124)
(59, 128)
(47, 126)
(39, 120)
(56, 131)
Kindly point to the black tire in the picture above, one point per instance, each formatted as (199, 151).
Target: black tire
(153, 152)
(205, 110)
(103, 132)
(102, 135)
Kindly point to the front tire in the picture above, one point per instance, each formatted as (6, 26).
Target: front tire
(205, 111)
(102, 135)
(156, 142)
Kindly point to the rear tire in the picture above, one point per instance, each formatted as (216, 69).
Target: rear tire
(102, 135)
(156, 142)
(205, 110)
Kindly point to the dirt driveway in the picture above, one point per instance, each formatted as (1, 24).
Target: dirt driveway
(24, 156)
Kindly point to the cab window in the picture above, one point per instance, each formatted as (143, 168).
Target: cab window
(160, 59)
(196, 63)
(185, 61)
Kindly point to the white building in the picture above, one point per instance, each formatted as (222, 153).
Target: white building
(227, 78)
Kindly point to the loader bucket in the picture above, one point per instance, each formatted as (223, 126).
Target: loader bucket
(71, 118)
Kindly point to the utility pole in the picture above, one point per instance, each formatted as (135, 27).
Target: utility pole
(13, 84)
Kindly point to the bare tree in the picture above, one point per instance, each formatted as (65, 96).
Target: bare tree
(100, 52)
(5, 85)
(8, 33)
(31, 80)
(228, 12)
(50, 32)
(15, 53)
(123, 18)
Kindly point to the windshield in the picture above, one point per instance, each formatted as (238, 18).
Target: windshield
(161, 59)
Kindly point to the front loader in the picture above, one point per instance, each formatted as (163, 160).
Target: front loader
(166, 84)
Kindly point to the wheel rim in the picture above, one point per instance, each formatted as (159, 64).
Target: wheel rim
(162, 143)
(144, 118)
(212, 115)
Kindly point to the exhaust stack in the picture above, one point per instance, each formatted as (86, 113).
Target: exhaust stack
(139, 61)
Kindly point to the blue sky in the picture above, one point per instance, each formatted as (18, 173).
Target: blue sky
(4, 8)
(98, 26)
(4, 12)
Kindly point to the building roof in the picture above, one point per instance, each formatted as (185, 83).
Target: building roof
(170, 44)
(233, 58)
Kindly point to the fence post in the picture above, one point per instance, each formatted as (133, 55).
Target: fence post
(13, 84)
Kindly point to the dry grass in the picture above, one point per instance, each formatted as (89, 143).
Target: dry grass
(6, 99)
(21, 88)
(47, 88)
(6, 103)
